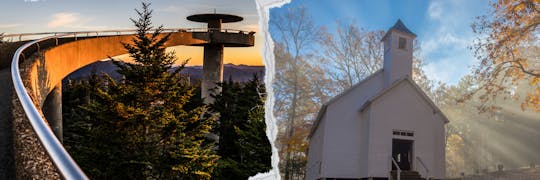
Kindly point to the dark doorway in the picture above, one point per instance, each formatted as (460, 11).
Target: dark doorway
(402, 153)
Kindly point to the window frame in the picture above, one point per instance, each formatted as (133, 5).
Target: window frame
(402, 43)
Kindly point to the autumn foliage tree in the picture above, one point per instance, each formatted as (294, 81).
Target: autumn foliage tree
(311, 92)
(508, 49)
(295, 77)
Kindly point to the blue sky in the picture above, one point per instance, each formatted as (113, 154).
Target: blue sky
(442, 26)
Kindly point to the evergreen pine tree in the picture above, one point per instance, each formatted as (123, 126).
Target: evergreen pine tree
(243, 146)
(79, 126)
(141, 127)
(1, 38)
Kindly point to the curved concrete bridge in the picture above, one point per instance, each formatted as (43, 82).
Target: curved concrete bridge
(43, 66)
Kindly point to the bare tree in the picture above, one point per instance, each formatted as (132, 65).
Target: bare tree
(295, 35)
(352, 54)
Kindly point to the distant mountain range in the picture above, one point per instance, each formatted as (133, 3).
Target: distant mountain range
(238, 73)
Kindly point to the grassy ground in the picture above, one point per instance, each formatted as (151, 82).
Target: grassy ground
(518, 174)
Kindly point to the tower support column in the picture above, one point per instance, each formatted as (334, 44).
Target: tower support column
(52, 109)
(212, 71)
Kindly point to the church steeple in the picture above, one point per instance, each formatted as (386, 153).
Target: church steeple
(398, 50)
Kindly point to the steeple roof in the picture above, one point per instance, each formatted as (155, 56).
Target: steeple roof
(399, 27)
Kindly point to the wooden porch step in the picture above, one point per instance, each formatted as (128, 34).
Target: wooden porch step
(407, 175)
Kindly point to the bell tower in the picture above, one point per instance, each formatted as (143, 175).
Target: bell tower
(398, 53)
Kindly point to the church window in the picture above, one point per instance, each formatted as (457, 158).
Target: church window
(403, 133)
(402, 43)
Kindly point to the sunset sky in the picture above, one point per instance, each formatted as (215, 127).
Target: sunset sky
(28, 16)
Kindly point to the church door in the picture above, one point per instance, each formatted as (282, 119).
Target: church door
(402, 153)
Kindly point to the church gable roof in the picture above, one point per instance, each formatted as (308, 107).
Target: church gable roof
(374, 97)
(323, 108)
(369, 78)
(415, 87)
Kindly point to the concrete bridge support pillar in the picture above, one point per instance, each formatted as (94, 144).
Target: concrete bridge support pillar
(52, 109)
(212, 71)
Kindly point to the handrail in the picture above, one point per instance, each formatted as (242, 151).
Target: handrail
(398, 169)
(60, 157)
(425, 167)
(119, 31)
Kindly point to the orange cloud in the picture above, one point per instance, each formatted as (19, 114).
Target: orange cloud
(63, 19)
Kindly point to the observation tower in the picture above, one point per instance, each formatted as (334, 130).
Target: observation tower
(216, 39)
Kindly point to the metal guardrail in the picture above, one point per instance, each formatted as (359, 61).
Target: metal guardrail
(60, 157)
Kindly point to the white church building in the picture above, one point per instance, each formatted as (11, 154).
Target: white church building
(384, 120)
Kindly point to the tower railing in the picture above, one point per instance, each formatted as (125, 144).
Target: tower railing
(28, 36)
(65, 164)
